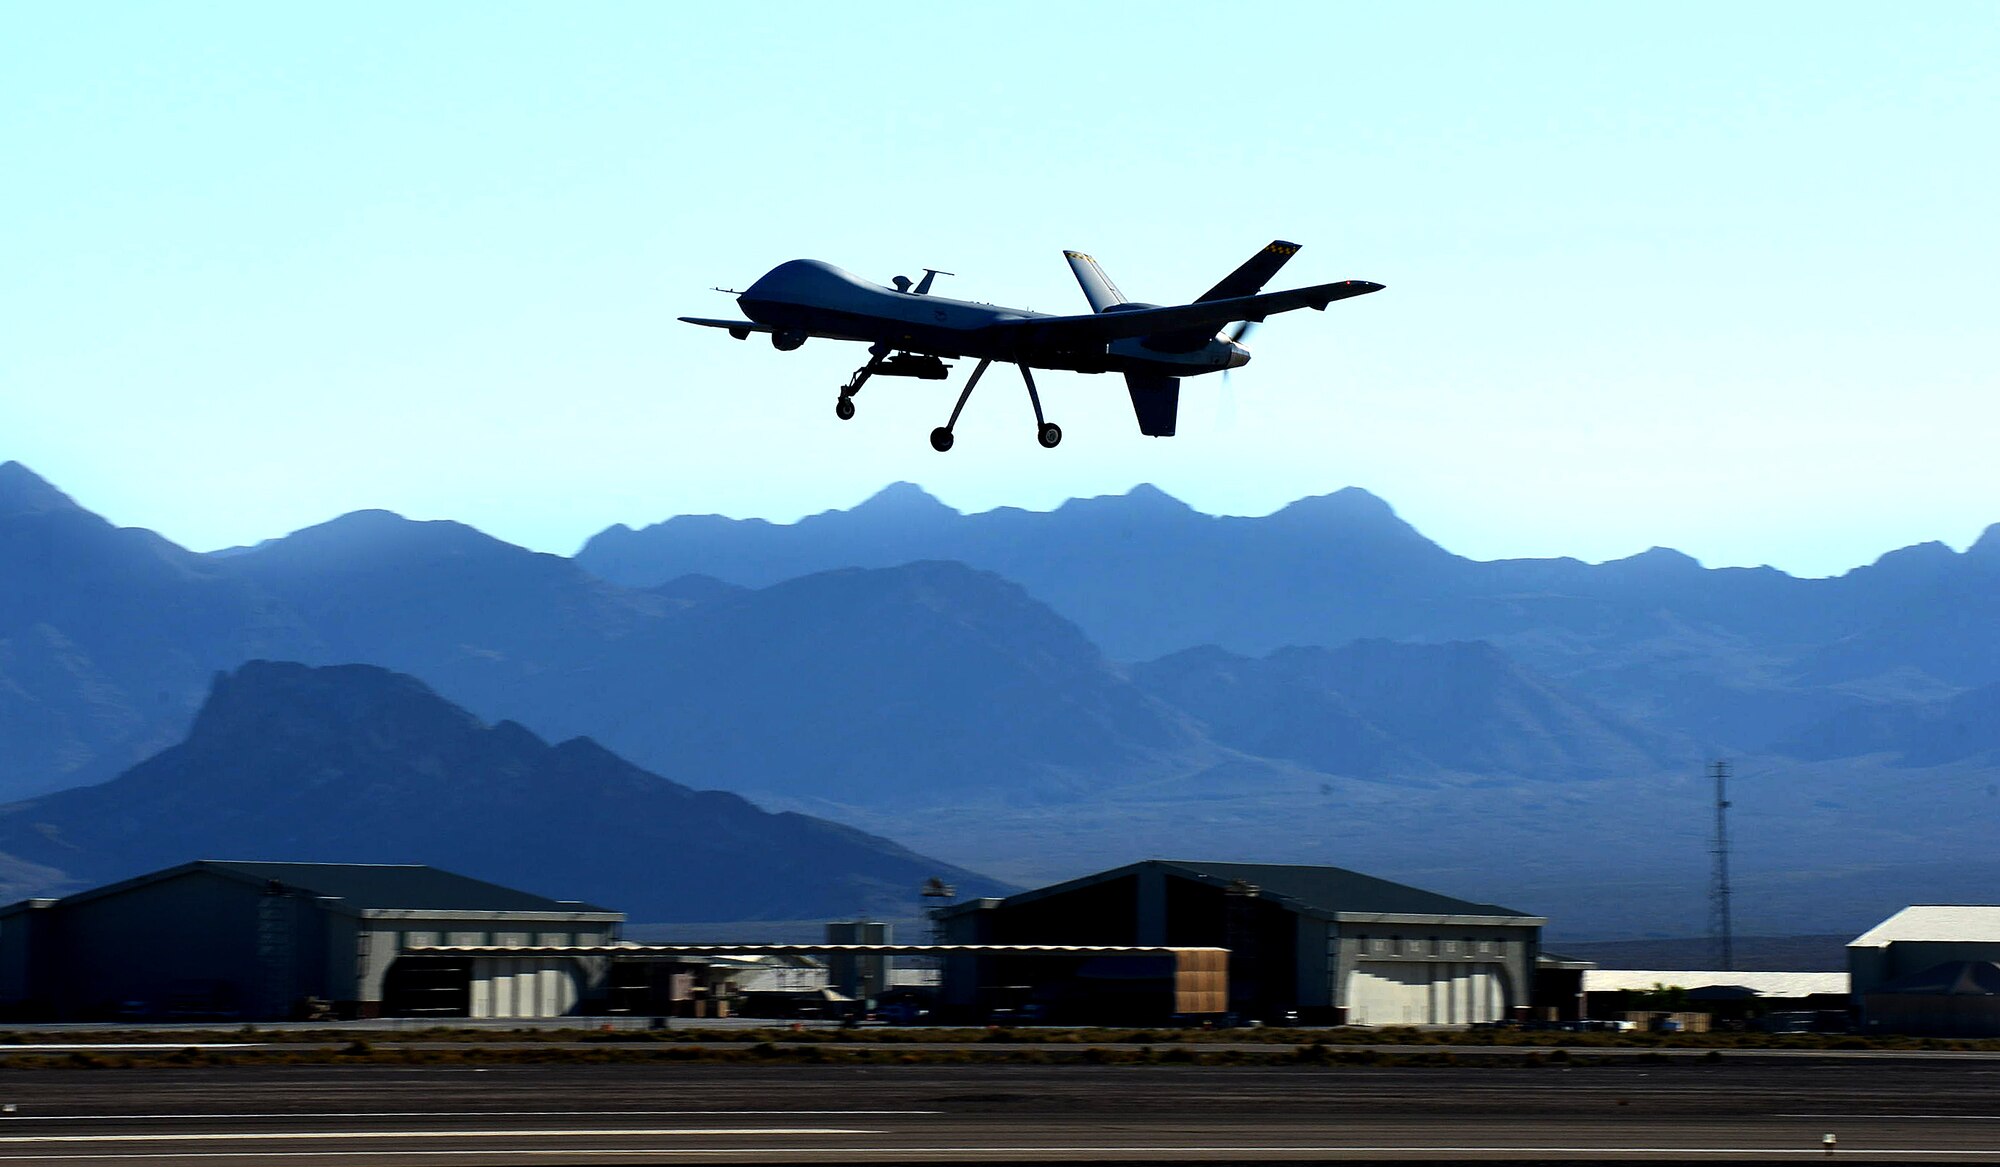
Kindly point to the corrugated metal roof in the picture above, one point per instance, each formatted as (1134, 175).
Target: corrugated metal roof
(398, 885)
(1336, 889)
(1947, 923)
(1764, 984)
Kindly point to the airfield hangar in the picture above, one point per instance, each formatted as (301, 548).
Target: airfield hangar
(1930, 969)
(1331, 945)
(276, 940)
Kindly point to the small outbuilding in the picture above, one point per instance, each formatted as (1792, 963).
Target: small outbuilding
(256, 941)
(1322, 944)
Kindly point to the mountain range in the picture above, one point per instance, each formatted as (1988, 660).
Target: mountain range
(1736, 658)
(353, 763)
(1036, 694)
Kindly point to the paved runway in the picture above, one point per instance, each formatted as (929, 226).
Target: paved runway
(1001, 1050)
(320, 1116)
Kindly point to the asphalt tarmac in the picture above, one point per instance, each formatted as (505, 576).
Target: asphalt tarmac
(1740, 1110)
(1470, 1050)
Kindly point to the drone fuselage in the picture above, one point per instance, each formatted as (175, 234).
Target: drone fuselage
(806, 297)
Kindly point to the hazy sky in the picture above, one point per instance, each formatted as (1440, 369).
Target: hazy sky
(1715, 276)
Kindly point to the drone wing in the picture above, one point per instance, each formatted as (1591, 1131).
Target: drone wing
(1079, 333)
(740, 329)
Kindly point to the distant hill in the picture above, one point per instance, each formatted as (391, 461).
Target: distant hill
(1524, 731)
(908, 686)
(925, 684)
(928, 682)
(108, 637)
(1964, 727)
(1698, 953)
(358, 764)
(1142, 573)
(1923, 611)
(1734, 658)
(1379, 709)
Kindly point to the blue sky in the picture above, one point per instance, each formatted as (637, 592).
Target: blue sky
(1715, 276)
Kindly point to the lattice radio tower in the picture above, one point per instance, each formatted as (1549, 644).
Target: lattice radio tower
(1718, 892)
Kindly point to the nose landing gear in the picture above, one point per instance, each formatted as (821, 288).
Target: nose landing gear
(844, 407)
(882, 363)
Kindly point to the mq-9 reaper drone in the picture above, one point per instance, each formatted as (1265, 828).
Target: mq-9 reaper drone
(911, 333)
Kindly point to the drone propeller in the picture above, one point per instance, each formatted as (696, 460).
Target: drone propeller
(1225, 405)
(1236, 336)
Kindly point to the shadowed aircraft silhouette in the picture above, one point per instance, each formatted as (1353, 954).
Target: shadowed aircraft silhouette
(911, 333)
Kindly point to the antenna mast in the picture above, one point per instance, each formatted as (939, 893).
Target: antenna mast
(1718, 893)
(937, 889)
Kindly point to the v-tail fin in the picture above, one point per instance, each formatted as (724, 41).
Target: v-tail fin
(1156, 401)
(1250, 278)
(1097, 287)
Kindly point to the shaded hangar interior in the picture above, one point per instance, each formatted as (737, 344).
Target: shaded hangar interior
(1133, 983)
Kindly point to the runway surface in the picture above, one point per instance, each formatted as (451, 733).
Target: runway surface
(321, 1116)
(1003, 1050)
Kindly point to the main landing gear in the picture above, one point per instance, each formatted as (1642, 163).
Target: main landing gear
(1048, 433)
(924, 367)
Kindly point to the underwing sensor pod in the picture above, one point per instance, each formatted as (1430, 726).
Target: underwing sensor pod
(912, 333)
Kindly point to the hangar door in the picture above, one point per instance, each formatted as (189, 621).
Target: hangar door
(1415, 992)
(522, 987)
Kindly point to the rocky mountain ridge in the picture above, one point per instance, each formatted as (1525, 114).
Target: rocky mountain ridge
(1533, 720)
(354, 763)
(1735, 658)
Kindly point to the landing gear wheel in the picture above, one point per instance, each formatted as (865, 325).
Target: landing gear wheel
(844, 408)
(1050, 436)
(940, 439)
